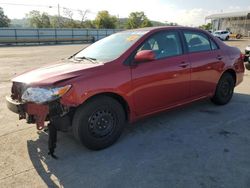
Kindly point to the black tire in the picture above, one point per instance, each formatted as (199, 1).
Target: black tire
(238, 36)
(247, 65)
(227, 38)
(224, 90)
(99, 122)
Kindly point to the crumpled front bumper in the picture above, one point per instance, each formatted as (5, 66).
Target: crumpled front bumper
(13, 105)
(38, 112)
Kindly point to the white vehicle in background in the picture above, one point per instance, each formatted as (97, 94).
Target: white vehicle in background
(247, 50)
(222, 34)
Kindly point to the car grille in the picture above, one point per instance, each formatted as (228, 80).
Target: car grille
(17, 90)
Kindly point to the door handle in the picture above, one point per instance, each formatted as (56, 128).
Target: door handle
(219, 57)
(183, 64)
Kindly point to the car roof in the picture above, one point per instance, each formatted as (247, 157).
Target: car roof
(147, 29)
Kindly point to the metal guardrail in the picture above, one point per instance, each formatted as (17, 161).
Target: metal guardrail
(48, 35)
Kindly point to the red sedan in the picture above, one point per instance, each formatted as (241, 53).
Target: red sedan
(125, 77)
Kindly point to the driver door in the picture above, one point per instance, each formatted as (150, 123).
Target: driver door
(165, 81)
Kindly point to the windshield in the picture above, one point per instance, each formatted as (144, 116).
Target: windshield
(111, 47)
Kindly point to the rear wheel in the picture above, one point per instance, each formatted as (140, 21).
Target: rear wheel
(224, 90)
(247, 65)
(99, 122)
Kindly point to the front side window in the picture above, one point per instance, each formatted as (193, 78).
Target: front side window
(197, 41)
(164, 44)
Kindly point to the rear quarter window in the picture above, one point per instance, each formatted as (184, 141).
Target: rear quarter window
(214, 46)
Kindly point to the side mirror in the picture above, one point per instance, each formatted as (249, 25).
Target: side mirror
(145, 55)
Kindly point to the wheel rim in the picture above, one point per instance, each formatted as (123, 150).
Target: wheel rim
(226, 89)
(102, 123)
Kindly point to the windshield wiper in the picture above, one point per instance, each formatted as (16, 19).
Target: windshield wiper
(93, 60)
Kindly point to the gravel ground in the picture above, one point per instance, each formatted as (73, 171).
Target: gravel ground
(199, 145)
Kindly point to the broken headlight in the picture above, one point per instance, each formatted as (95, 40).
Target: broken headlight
(42, 95)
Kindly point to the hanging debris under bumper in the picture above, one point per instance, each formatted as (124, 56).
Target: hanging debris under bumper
(54, 112)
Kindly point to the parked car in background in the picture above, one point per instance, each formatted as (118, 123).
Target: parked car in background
(235, 36)
(125, 77)
(222, 34)
(247, 50)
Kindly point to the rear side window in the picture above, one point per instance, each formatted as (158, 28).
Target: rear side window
(164, 44)
(196, 41)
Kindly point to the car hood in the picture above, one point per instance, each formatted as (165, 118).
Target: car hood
(61, 71)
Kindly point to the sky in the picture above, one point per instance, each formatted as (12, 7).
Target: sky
(183, 12)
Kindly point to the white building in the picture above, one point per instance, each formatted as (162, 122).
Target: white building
(236, 22)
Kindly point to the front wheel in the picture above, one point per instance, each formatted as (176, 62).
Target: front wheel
(99, 122)
(224, 90)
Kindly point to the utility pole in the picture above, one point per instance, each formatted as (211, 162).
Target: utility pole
(58, 12)
(118, 18)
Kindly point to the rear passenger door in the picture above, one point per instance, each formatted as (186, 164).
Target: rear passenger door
(206, 59)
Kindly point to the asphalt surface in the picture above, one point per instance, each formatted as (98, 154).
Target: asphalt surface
(199, 145)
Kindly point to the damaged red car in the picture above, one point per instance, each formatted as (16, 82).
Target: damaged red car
(125, 77)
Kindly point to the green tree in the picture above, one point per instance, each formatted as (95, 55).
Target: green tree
(138, 20)
(34, 19)
(83, 16)
(38, 20)
(69, 22)
(207, 26)
(88, 24)
(4, 20)
(45, 20)
(105, 20)
(54, 21)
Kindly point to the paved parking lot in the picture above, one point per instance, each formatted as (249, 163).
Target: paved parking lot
(200, 145)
